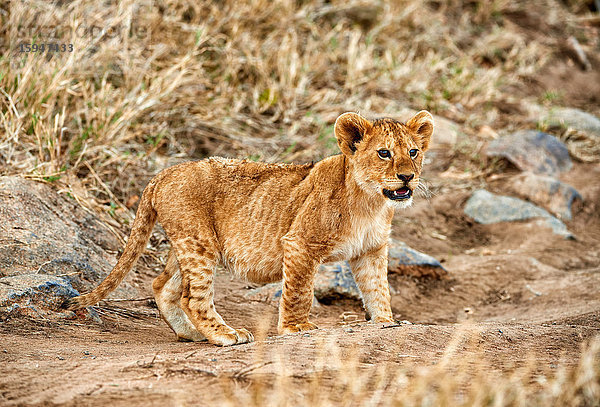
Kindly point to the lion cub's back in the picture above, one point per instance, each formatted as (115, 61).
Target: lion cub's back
(255, 207)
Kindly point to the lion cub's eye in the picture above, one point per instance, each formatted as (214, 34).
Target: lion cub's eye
(413, 152)
(383, 153)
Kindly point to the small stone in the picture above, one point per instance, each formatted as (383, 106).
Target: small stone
(487, 132)
(446, 133)
(349, 330)
(60, 358)
(34, 295)
(546, 191)
(488, 208)
(533, 151)
(405, 260)
(335, 280)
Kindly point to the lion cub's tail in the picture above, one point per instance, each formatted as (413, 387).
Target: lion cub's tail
(140, 233)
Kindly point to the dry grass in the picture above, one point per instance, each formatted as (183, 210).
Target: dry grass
(151, 82)
(463, 376)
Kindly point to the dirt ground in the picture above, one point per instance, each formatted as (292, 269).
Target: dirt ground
(520, 291)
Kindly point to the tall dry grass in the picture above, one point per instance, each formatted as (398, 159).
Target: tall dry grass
(154, 82)
(464, 376)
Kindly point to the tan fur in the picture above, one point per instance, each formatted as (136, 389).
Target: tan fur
(265, 222)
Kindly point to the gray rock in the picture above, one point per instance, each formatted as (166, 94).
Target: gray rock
(446, 133)
(487, 208)
(572, 118)
(34, 295)
(533, 151)
(335, 280)
(548, 192)
(44, 232)
(407, 261)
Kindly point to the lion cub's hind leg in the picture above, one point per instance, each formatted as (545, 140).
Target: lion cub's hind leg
(167, 294)
(198, 261)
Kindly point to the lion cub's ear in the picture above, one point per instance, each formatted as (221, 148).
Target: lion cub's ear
(350, 128)
(422, 125)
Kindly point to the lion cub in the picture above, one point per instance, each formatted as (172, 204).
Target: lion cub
(267, 222)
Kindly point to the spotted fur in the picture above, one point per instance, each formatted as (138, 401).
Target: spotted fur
(267, 222)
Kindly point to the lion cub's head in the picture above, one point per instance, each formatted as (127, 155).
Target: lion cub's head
(387, 155)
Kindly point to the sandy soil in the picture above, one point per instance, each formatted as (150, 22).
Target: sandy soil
(519, 290)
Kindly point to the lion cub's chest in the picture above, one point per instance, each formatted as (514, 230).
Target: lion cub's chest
(363, 235)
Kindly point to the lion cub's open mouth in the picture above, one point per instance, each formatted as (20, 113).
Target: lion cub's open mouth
(398, 194)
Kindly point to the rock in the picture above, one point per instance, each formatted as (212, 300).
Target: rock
(549, 192)
(445, 133)
(407, 261)
(46, 233)
(487, 208)
(575, 119)
(34, 295)
(533, 151)
(335, 280)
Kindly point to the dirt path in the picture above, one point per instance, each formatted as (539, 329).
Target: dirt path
(510, 300)
(514, 294)
(139, 363)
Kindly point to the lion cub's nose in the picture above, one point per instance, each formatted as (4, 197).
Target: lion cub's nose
(406, 178)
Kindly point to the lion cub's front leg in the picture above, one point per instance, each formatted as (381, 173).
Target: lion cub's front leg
(299, 269)
(370, 274)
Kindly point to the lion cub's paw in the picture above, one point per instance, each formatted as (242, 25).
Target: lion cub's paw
(238, 336)
(288, 329)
